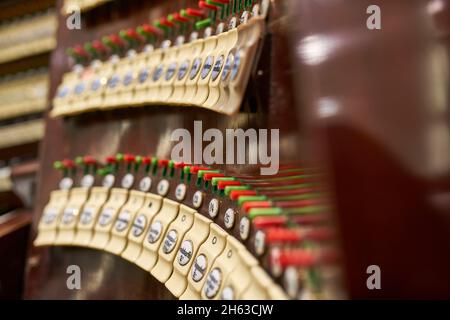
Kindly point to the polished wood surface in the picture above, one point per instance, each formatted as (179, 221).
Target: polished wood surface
(14, 231)
(25, 169)
(10, 9)
(378, 101)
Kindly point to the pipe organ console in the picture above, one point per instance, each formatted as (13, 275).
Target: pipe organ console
(225, 149)
(200, 232)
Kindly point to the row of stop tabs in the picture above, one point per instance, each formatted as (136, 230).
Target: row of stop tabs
(210, 72)
(183, 249)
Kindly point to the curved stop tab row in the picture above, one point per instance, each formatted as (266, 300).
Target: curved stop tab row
(220, 242)
(211, 72)
(187, 252)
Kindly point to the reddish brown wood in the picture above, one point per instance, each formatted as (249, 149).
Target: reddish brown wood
(16, 8)
(386, 137)
(14, 230)
(25, 169)
(24, 151)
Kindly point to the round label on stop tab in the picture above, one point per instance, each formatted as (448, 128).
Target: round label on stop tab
(87, 181)
(79, 88)
(197, 199)
(66, 183)
(227, 67)
(195, 68)
(86, 215)
(163, 187)
(63, 92)
(229, 218)
(213, 208)
(68, 215)
(291, 281)
(171, 71)
(127, 181)
(143, 75)
(260, 242)
(217, 67)
(180, 192)
(233, 23)
(128, 79)
(220, 28)
(244, 228)
(244, 17)
(207, 67)
(113, 81)
(123, 220)
(236, 65)
(50, 215)
(96, 84)
(170, 241)
(155, 232)
(275, 266)
(158, 73)
(185, 252)
(145, 184)
(139, 225)
(199, 269)
(213, 283)
(106, 217)
(108, 181)
(182, 72)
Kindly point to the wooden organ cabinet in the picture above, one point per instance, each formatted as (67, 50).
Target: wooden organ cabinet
(361, 177)
(27, 38)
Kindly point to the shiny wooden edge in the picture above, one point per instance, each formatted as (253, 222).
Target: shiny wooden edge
(13, 221)
(243, 248)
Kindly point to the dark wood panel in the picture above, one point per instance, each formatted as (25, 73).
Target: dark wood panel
(24, 151)
(14, 231)
(23, 64)
(385, 132)
(25, 169)
(10, 9)
(103, 276)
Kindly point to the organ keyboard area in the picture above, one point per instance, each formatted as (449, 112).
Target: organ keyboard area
(200, 232)
(159, 64)
(203, 232)
(124, 83)
(224, 150)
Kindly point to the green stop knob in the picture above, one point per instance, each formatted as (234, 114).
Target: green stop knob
(58, 165)
(119, 157)
(203, 24)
